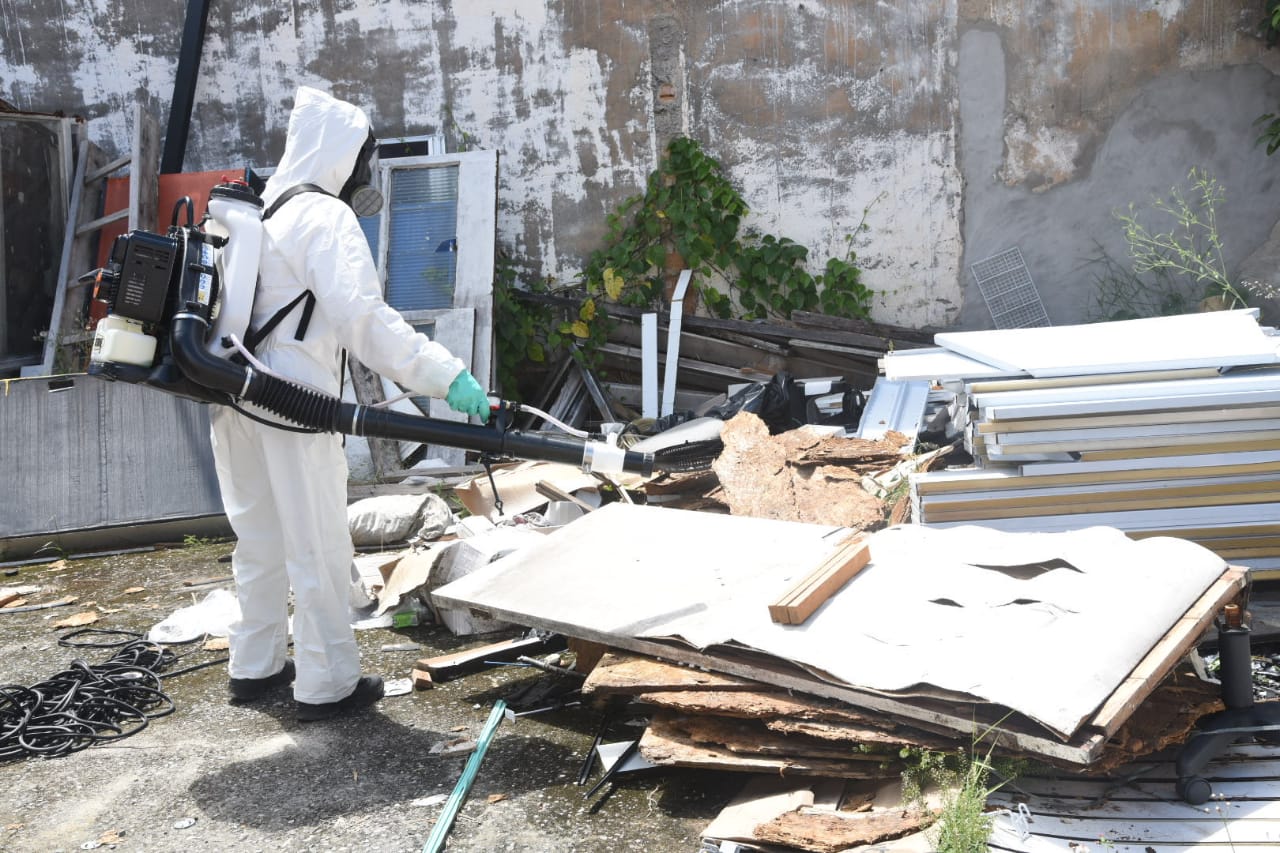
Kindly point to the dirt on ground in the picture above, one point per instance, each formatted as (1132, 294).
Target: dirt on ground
(216, 776)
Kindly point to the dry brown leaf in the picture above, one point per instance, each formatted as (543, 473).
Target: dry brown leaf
(17, 602)
(56, 566)
(111, 836)
(110, 610)
(75, 620)
(134, 589)
(495, 798)
(216, 644)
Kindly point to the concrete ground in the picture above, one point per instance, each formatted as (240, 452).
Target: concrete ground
(213, 776)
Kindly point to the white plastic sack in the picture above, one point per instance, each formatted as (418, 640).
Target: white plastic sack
(213, 615)
(388, 519)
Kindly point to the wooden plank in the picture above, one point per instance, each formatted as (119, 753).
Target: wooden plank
(775, 330)
(144, 169)
(549, 491)
(897, 335)
(728, 374)
(807, 595)
(1180, 639)
(447, 666)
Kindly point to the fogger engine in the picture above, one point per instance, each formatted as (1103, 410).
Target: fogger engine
(177, 309)
(151, 280)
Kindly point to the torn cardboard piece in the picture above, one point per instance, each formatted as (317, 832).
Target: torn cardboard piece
(518, 487)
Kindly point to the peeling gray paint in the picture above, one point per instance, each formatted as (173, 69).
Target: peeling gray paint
(960, 127)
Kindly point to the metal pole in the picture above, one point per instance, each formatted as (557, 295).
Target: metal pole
(184, 87)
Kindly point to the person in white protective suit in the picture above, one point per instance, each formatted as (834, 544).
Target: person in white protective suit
(285, 491)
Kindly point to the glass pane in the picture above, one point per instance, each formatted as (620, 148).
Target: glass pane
(369, 225)
(422, 237)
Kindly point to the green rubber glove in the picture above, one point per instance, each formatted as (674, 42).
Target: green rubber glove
(466, 396)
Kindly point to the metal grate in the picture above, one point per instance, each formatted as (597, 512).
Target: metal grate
(1009, 292)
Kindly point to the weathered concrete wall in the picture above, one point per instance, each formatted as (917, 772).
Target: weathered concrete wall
(966, 127)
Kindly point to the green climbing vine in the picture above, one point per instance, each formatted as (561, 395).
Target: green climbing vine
(688, 217)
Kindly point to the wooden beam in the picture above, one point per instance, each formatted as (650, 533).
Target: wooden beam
(808, 594)
(1179, 640)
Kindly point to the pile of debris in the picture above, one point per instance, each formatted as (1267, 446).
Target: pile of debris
(798, 633)
(850, 687)
(705, 359)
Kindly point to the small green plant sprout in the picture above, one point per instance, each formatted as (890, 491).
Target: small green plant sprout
(1191, 247)
(964, 784)
(1122, 294)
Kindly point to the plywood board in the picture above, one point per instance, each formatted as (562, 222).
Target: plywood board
(699, 580)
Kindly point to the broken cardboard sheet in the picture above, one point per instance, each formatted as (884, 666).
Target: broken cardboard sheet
(517, 487)
(429, 568)
(1048, 625)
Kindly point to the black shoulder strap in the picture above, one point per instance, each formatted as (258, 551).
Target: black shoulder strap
(296, 190)
(256, 336)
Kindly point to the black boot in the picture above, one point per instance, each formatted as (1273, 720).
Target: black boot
(367, 691)
(252, 689)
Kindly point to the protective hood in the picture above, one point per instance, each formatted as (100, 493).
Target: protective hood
(325, 136)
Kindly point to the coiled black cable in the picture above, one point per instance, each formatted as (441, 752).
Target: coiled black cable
(84, 704)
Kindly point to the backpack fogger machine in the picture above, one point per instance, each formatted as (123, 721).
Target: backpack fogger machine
(178, 307)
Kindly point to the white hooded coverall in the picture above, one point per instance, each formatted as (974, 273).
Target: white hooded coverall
(285, 493)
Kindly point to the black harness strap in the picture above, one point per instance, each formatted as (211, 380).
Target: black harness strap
(255, 337)
(296, 190)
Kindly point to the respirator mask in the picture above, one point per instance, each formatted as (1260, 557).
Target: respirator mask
(359, 192)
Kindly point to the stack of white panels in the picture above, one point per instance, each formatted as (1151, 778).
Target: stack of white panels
(1164, 426)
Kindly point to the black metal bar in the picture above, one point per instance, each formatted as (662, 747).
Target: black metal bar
(386, 423)
(184, 87)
